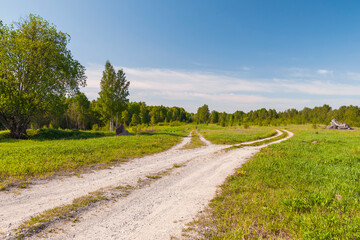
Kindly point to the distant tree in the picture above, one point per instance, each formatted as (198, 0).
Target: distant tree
(78, 112)
(144, 114)
(203, 114)
(135, 120)
(153, 114)
(126, 117)
(36, 69)
(134, 108)
(161, 115)
(222, 119)
(169, 115)
(183, 113)
(352, 115)
(230, 119)
(113, 94)
(214, 117)
(95, 115)
(152, 121)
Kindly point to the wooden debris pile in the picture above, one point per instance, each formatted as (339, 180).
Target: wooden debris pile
(335, 124)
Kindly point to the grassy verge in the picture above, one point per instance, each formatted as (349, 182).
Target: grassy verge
(304, 188)
(283, 135)
(24, 160)
(234, 135)
(195, 141)
(49, 219)
(67, 212)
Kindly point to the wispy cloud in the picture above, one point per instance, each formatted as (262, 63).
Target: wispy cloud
(157, 79)
(322, 88)
(353, 76)
(324, 71)
(192, 89)
(296, 72)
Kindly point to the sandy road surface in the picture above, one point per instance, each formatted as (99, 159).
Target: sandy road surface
(157, 211)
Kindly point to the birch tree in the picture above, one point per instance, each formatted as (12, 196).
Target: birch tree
(113, 94)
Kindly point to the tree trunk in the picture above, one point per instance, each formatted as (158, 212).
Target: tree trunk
(19, 132)
(66, 117)
(111, 124)
(79, 123)
(17, 124)
(18, 129)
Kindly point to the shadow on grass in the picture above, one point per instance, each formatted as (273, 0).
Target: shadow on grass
(160, 133)
(46, 134)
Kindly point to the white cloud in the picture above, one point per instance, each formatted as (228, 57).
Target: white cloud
(192, 89)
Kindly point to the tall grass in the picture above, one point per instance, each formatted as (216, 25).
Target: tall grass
(304, 188)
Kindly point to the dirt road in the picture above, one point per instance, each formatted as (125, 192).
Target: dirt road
(157, 211)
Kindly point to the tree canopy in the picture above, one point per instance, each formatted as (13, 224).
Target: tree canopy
(36, 70)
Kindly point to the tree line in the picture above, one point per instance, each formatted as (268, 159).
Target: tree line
(77, 112)
(263, 117)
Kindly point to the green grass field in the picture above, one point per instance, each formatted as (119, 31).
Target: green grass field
(50, 151)
(233, 135)
(307, 187)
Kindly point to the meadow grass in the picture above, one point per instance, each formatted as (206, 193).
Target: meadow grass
(233, 135)
(304, 188)
(72, 151)
(279, 137)
(195, 141)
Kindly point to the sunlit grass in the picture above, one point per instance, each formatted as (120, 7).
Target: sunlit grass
(195, 141)
(234, 135)
(23, 160)
(291, 190)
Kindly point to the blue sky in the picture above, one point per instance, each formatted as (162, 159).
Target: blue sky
(231, 55)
